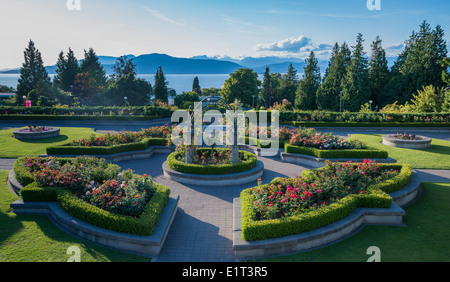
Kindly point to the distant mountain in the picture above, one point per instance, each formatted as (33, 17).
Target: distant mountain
(147, 64)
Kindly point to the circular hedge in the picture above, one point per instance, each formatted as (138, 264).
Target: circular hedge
(247, 161)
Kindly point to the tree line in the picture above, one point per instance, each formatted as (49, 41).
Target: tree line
(85, 82)
(353, 79)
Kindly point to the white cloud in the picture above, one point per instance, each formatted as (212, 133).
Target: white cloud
(299, 47)
(394, 49)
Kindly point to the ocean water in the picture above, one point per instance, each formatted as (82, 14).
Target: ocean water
(179, 82)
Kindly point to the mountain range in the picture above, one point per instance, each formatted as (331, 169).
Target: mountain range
(148, 63)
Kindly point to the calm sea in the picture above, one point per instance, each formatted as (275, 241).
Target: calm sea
(179, 82)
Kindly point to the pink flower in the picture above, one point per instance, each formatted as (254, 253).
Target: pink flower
(284, 200)
(294, 196)
(319, 191)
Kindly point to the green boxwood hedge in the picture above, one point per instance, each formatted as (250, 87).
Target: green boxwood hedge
(248, 162)
(376, 197)
(106, 150)
(369, 153)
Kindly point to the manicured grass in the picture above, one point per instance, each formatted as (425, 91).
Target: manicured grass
(13, 148)
(438, 157)
(34, 238)
(425, 238)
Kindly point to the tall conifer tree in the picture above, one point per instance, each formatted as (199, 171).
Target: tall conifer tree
(31, 73)
(307, 88)
(356, 83)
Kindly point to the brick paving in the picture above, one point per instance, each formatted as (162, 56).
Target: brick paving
(202, 228)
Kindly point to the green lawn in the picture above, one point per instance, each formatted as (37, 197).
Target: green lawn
(13, 148)
(438, 157)
(426, 238)
(34, 238)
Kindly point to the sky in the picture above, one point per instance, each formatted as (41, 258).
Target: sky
(186, 28)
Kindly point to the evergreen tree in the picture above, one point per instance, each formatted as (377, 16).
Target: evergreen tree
(356, 83)
(241, 85)
(307, 88)
(328, 94)
(31, 73)
(419, 64)
(160, 87)
(66, 71)
(267, 88)
(288, 84)
(379, 73)
(91, 65)
(123, 67)
(137, 91)
(196, 86)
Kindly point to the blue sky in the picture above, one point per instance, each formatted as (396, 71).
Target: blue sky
(185, 28)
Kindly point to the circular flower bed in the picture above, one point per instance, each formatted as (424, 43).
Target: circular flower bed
(407, 141)
(219, 162)
(33, 132)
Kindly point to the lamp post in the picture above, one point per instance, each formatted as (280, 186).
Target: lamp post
(253, 101)
(370, 102)
(125, 98)
(24, 99)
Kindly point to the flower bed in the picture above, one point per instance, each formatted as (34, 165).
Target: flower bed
(408, 141)
(327, 145)
(95, 191)
(109, 143)
(322, 196)
(204, 164)
(33, 132)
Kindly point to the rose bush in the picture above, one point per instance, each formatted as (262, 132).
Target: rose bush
(286, 197)
(95, 181)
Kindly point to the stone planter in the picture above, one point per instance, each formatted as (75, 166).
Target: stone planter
(420, 144)
(24, 135)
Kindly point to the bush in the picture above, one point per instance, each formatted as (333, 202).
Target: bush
(375, 197)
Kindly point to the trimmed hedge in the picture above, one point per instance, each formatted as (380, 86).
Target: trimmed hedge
(348, 153)
(106, 150)
(249, 161)
(315, 124)
(376, 197)
(88, 112)
(144, 225)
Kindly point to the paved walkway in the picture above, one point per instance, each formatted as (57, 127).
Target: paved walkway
(202, 228)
